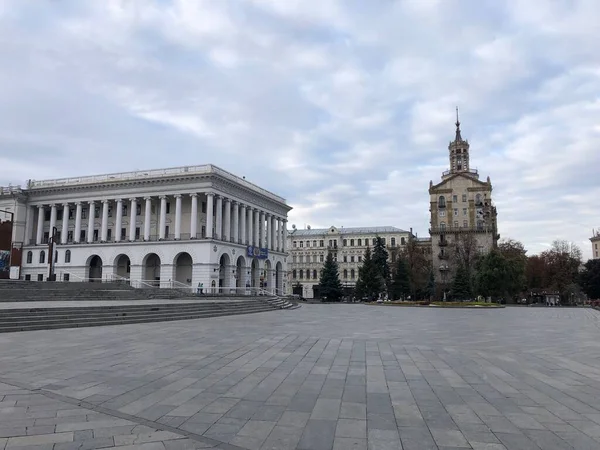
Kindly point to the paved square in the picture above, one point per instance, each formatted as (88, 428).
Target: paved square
(321, 377)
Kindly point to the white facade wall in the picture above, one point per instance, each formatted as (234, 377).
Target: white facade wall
(160, 231)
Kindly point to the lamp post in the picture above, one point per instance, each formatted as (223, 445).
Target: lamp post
(12, 224)
(51, 243)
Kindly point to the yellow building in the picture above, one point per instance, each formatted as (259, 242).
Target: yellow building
(463, 217)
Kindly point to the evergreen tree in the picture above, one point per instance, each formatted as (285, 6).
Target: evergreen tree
(500, 277)
(461, 286)
(590, 278)
(431, 285)
(380, 261)
(401, 283)
(369, 283)
(330, 286)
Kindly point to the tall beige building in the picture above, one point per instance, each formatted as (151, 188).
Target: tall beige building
(595, 244)
(463, 217)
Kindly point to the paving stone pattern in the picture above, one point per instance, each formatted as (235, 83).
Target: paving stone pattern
(343, 377)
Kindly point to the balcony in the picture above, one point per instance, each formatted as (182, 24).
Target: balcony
(445, 173)
(442, 255)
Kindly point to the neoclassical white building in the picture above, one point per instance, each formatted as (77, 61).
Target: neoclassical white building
(182, 226)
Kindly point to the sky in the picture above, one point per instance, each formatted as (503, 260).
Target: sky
(343, 107)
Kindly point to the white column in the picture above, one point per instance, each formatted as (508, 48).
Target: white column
(268, 232)
(77, 233)
(236, 222)
(194, 216)
(39, 238)
(147, 217)
(163, 217)
(52, 218)
(210, 197)
(119, 220)
(104, 233)
(90, 229)
(250, 232)
(132, 216)
(261, 229)
(178, 216)
(227, 225)
(243, 220)
(284, 236)
(273, 232)
(219, 227)
(65, 224)
(278, 234)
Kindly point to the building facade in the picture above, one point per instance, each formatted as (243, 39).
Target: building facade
(463, 217)
(181, 226)
(308, 250)
(595, 244)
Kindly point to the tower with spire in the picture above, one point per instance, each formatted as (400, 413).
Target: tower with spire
(463, 217)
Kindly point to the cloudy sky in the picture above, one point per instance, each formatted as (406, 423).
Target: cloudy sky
(344, 107)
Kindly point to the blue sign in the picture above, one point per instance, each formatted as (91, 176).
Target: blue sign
(256, 252)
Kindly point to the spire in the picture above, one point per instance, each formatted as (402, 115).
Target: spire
(458, 137)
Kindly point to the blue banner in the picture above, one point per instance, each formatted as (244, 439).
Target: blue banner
(256, 252)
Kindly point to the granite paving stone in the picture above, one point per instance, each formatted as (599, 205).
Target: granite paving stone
(329, 377)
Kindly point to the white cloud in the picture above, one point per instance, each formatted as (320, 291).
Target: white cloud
(344, 108)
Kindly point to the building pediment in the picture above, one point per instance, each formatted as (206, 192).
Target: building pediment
(436, 188)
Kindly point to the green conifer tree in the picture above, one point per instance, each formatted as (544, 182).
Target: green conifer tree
(461, 286)
(400, 287)
(330, 287)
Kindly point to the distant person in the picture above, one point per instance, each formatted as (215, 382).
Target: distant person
(200, 288)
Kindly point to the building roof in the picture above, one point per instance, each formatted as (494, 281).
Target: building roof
(345, 231)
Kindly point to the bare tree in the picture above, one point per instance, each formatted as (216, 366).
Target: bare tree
(465, 251)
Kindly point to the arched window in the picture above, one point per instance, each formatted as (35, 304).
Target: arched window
(442, 202)
(301, 273)
(345, 273)
(68, 256)
(29, 257)
(402, 241)
(393, 241)
(294, 273)
(55, 256)
(345, 242)
(442, 225)
(42, 257)
(315, 274)
(352, 274)
(308, 274)
(480, 224)
(478, 199)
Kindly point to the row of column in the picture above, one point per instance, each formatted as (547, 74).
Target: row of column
(248, 225)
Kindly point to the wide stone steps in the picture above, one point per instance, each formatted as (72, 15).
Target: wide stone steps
(27, 319)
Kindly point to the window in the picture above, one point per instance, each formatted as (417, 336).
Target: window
(27, 277)
(393, 257)
(301, 274)
(168, 207)
(67, 256)
(294, 259)
(167, 232)
(307, 244)
(345, 273)
(352, 259)
(95, 235)
(308, 274)
(70, 236)
(321, 244)
(442, 202)
(314, 258)
(344, 242)
(464, 197)
(351, 242)
(71, 213)
(82, 236)
(29, 257)
(84, 213)
(203, 207)
(40, 277)
(137, 232)
(442, 225)
(478, 199)
(46, 215)
(402, 241)
(314, 243)
(465, 223)
(464, 211)
(203, 232)
(301, 244)
(315, 274)
(480, 224)
(42, 257)
(46, 237)
(294, 273)
(66, 277)
(455, 212)
(138, 210)
(352, 274)
(125, 210)
(58, 239)
(360, 259)
(360, 242)
(59, 214)
(456, 224)
(124, 233)
(374, 240)
(442, 213)
(109, 235)
(110, 211)
(294, 244)
(56, 256)
(301, 259)
(345, 258)
(320, 258)
(97, 212)
(455, 198)
(393, 242)
(382, 240)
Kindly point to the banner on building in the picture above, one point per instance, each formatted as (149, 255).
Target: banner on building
(256, 252)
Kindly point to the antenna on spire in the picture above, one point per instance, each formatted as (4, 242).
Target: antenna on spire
(458, 136)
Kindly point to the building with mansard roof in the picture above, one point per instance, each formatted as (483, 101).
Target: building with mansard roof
(462, 212)
(308, 249)
(181, 226)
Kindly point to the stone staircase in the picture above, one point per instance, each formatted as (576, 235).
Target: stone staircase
(131, 308)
